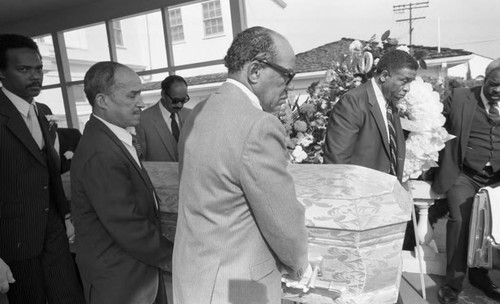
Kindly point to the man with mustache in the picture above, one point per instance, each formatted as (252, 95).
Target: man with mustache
(121, 252)
(467, 163)
(364, 128)
(35, 262)
(161, 123)
(239, 222)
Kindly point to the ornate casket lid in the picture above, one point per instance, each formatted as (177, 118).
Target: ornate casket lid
(349, 197)
(344, 197)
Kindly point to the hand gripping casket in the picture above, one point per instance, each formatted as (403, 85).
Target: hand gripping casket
(484, 234)
(356, 219)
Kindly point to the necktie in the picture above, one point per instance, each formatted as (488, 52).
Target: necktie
(494, 112)
(392, 140)
(137, 146)
(175, 127)
(34, 126)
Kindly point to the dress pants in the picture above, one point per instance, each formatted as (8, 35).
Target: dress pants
(460, 200)
(49, 277)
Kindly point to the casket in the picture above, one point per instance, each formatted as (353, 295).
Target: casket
(356, 218)
(484, 233)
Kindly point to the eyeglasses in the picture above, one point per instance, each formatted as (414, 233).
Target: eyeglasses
(177, 100)
(289, 74)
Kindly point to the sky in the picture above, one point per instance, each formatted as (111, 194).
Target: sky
(472, 25)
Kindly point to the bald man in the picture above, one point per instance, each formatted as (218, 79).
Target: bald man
(467, 163)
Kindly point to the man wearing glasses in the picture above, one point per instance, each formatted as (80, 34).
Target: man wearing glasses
(239, 222)
(161, 123)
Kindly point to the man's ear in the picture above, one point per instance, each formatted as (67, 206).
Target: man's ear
(253, 72)
(101, 101)
(384, 75)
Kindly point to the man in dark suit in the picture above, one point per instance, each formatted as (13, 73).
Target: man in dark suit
(33, 208)
(120, 249)
(161, 124)
(66, 142)
(364, 128)
(467, 163)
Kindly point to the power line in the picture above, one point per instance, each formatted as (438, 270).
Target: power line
(409, 7)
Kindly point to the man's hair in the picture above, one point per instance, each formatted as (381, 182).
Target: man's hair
(14, 41)
(100, 78)
(255, 43)
(396, 60)
(494, 65)
(167, 82)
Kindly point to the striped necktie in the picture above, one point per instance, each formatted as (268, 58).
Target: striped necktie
(137, 146)
(392, 140)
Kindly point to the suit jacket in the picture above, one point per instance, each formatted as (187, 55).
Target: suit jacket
(120, 248)
(239, 220)
(357, 134)
(30, 184)
(459, 109)
(155, 137)
(68, 141)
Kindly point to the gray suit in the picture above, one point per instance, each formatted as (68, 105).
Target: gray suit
(155, 137)
(239, 221)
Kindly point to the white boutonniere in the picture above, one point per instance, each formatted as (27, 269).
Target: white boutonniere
(68, 155)
(52, 120)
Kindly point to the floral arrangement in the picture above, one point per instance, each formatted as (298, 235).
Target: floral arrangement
(52, 119)
(306, 123)
(422, 109)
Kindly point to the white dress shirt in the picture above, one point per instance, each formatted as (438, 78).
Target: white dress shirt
(124, 135)
(253, 98)
(382, 103)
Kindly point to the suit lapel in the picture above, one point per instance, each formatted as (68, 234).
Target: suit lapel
(18, 127)
(377, 116)
(98, 124)
(48, 138)
(163, 131)
(468, 113)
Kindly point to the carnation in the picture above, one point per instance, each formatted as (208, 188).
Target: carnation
(299, 154)
(300, 126)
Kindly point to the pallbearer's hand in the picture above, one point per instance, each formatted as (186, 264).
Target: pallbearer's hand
(6, 277)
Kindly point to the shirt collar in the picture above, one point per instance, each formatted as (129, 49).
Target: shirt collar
(378, 94)
(253, 98)
(21, 105)
(125, 135)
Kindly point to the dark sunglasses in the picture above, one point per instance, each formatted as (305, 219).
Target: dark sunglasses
(177, 100)
(289, 74)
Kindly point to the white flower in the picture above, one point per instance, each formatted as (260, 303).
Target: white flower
(52, 119)
(425, 122)
(404, 48)
(298, 154)
(68, 155)
(304, 139)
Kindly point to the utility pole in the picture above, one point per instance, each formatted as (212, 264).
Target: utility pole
(410, 7)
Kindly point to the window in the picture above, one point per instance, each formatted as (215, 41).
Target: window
(176, 29)
(212, 18)
(117, 31)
